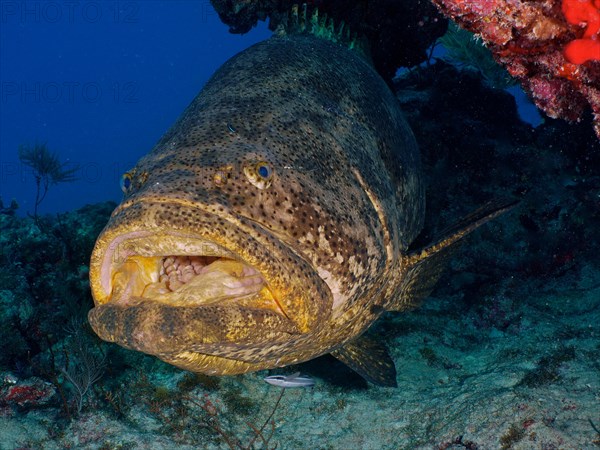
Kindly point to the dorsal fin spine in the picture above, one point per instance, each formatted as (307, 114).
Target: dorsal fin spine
(301, 21)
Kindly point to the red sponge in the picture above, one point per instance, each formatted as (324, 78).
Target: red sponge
(583, 13)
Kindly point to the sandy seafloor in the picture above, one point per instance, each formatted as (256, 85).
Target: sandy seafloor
(504, 354)
(495, 389)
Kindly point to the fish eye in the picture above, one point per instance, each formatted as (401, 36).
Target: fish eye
(260, 174)
(264, 170)
(125, 182)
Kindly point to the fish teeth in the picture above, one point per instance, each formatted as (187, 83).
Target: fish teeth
(168, 261)
(197, 266)
(187, 274)
(173, 284)
(177, 271)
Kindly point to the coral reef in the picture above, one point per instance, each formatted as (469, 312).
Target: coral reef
(586, 13)
(553, 51)
(30, 393)
(44, 281)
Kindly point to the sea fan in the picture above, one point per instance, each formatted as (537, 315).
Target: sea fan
(47, 169)
(84, 368)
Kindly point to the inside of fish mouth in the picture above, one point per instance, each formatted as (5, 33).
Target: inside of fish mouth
(186, 280)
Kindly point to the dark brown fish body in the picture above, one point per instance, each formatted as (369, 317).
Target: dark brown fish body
(270, 225)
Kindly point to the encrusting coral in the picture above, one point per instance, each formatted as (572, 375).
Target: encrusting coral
(552, 49)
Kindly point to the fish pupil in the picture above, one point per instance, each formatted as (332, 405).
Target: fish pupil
(125, 182)
(264, 171)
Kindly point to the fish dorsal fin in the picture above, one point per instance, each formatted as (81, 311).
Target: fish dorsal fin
(424, 267)
(370, 359)
(305, 20)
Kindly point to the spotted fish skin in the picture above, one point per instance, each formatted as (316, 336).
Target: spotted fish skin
(328, 227)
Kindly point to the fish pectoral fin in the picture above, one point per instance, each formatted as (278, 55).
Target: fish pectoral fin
(370, 359)
(425, 266)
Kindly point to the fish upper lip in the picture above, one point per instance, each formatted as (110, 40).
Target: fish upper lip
(139, 253)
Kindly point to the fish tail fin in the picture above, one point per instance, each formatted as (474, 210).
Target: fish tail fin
(424, 267)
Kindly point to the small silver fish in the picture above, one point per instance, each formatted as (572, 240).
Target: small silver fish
(290, 381)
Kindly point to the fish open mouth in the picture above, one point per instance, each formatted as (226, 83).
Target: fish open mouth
(169, 293)
(197, 273)
(166, 292)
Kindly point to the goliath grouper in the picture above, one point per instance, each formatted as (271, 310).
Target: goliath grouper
(271, 224)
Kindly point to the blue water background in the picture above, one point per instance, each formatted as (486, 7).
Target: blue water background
(100, 82)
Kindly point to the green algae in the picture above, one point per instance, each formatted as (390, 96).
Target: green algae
(514, 434)
(237, 403)
(193, 380)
